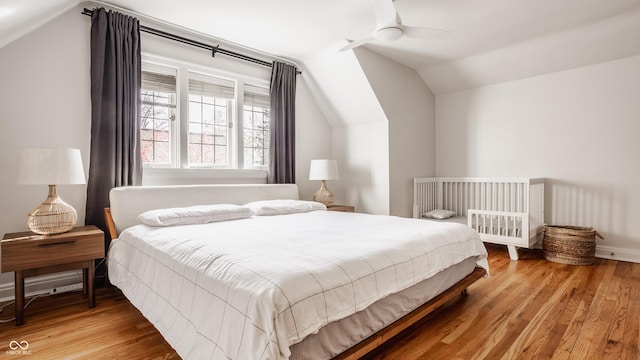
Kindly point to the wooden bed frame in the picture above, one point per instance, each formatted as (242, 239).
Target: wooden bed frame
(377, 339)
(374, 341)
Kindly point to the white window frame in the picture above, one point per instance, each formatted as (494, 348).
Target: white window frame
(250, 88)
(179, 127)
(153, 66)
(231, 126)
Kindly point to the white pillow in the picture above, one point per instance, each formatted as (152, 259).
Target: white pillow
(200, 214)
(284, 207)
(439, 214)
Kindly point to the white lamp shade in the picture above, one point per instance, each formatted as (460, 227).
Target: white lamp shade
(49, 166)
(323, 169)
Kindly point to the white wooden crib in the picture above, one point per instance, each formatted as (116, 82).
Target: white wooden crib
(507, 211)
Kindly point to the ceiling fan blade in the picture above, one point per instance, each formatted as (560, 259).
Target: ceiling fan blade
(425, 32)
(385, 12)
(357, 43)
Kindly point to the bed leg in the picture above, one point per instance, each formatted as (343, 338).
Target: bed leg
(513, 252)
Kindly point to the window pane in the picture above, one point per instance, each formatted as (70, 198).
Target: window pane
(221, 153)
(147, 148)
(155, 126)
(248, 119)
(207, 113)
(248, 140)
(208, 119)
(256, 135)
(208, 154)
(195, 114)
(195, 153)
(208, 100)
(146, 134)
(195, 128)
(159, 102)
(161, 152)
(248, 155)
(221, 115)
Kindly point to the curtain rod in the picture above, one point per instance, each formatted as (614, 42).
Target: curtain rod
(214, 49)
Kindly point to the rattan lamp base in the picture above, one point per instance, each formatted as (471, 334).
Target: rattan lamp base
(323, 195)
(53, 216)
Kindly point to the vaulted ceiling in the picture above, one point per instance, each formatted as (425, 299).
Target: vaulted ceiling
(490, 41)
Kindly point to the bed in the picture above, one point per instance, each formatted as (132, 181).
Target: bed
(299, 285)
(506, 211)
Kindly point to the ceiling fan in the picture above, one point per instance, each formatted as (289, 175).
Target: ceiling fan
(389, 27)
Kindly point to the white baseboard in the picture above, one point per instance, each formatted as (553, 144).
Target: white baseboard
(614, 253)
(41, 284)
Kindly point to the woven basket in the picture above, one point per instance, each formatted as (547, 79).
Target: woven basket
(573, 245)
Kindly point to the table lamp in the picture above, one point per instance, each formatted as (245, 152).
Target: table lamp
(50, 166)
(323, 169)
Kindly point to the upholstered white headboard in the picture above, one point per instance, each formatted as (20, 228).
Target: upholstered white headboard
(130, 201)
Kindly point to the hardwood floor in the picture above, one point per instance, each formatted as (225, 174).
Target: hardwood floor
(529, 308)
(533, 309)
(63, 327)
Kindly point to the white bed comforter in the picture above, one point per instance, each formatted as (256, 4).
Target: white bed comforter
(250, 288)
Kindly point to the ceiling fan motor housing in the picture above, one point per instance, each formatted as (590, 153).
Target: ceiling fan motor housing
(389, 33)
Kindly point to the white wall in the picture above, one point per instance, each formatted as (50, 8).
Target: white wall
(409, 106)
(578, 128)
(350, 105)
(45, 101)
(383, 122)
(363, 152)
(313, 137)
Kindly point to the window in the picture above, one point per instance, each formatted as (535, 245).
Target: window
(195, 119)
(158, 111)
(256, 127)
(210, 108)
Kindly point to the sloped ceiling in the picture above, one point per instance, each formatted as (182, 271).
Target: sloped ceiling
(491, 40)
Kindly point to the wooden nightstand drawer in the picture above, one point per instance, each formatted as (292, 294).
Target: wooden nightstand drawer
(341, 208)
(21, 251)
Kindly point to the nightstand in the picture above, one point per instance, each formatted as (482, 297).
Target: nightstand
(341, 208)
(29, 254)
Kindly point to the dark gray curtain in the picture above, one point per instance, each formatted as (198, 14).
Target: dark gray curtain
(115, 109)
(282, 156)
